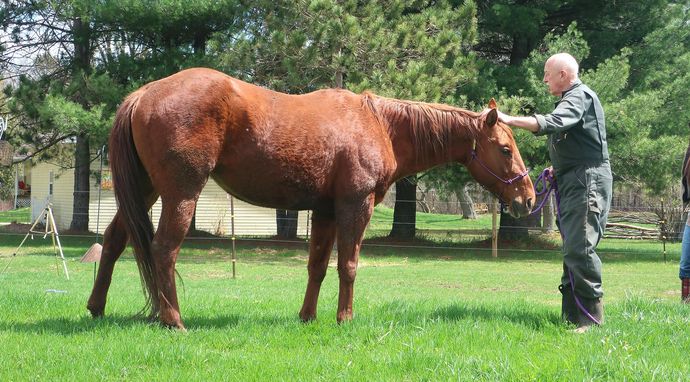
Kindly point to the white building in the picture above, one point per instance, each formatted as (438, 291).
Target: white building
(52, 183)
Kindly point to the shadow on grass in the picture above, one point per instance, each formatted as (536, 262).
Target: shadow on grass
(84, 324)
(517, 315)
(533, 317)
(67, 326)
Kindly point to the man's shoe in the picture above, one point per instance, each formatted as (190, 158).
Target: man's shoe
(685, 290)
(590, 313)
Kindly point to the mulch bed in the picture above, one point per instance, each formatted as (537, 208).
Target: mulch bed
(15, 227)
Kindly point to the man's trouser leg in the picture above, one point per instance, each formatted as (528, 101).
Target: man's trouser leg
(684, 273)
(585, 199)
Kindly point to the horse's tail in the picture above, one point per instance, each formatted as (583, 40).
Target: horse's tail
(132, 186)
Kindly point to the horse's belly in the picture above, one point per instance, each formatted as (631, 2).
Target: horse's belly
(269, 189)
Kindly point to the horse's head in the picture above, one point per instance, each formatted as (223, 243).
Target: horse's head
(495, 162)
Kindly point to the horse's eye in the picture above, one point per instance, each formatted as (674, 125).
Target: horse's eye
(505, 151)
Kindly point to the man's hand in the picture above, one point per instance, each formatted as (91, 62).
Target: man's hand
(503, 117)
(527, 123)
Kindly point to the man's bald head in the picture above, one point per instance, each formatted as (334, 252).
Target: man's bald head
(560, 72)
(564, 61)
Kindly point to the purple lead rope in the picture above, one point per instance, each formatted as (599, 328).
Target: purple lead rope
(544, 185)
(577, 300)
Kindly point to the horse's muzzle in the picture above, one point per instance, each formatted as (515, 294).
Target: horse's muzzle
(519, 208)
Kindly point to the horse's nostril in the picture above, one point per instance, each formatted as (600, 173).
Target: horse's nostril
(529, 203)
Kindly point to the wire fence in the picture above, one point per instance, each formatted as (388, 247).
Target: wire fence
(439, 222)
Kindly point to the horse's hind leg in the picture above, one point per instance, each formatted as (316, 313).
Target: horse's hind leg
(176, 216)
(114, 242)
(320, 246)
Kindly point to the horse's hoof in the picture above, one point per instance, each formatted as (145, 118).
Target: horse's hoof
(174, 326)
(307, 317)
(96, 312)
(344, 318)
(177, 327)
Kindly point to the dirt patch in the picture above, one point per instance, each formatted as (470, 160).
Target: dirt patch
(265, 251)
(15, 228)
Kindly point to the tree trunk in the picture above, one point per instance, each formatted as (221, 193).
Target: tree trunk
(339, 79)
(81, 64)
(522, 46)
(286, 224)
(199, 44)
(80, 201)
(82, 45)
(516, 229)
(422, 203)
(466, 203)
(404, 213)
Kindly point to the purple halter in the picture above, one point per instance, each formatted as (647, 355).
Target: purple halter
(506, 181)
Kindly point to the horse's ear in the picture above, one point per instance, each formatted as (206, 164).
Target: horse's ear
(491, 118)
(492, 103)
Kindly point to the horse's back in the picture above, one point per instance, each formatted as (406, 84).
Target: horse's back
(198, 98)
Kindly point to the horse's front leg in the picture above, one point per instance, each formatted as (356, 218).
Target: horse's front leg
(320, 246)
(352, 218)
(114, 242)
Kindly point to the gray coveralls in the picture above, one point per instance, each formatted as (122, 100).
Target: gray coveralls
(580, 158)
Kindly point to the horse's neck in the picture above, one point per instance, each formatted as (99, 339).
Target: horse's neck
(424, 135)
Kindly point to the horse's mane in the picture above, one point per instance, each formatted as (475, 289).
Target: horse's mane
(430, 124)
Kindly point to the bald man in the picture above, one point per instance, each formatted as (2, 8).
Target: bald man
(579, 155)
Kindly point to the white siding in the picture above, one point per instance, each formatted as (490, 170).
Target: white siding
(212, 214)
(61, 200)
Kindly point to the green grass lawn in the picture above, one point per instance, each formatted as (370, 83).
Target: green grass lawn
(421, 314)
(19, 215)
(383, 217)
(432, 226)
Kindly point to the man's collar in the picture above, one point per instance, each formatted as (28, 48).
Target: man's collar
(575, 84)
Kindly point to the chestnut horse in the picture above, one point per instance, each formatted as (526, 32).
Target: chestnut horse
(330, 151)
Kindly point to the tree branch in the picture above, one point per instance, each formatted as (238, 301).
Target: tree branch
(44, 148)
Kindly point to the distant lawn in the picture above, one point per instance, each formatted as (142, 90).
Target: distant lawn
(382, 222)
(19, 215)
